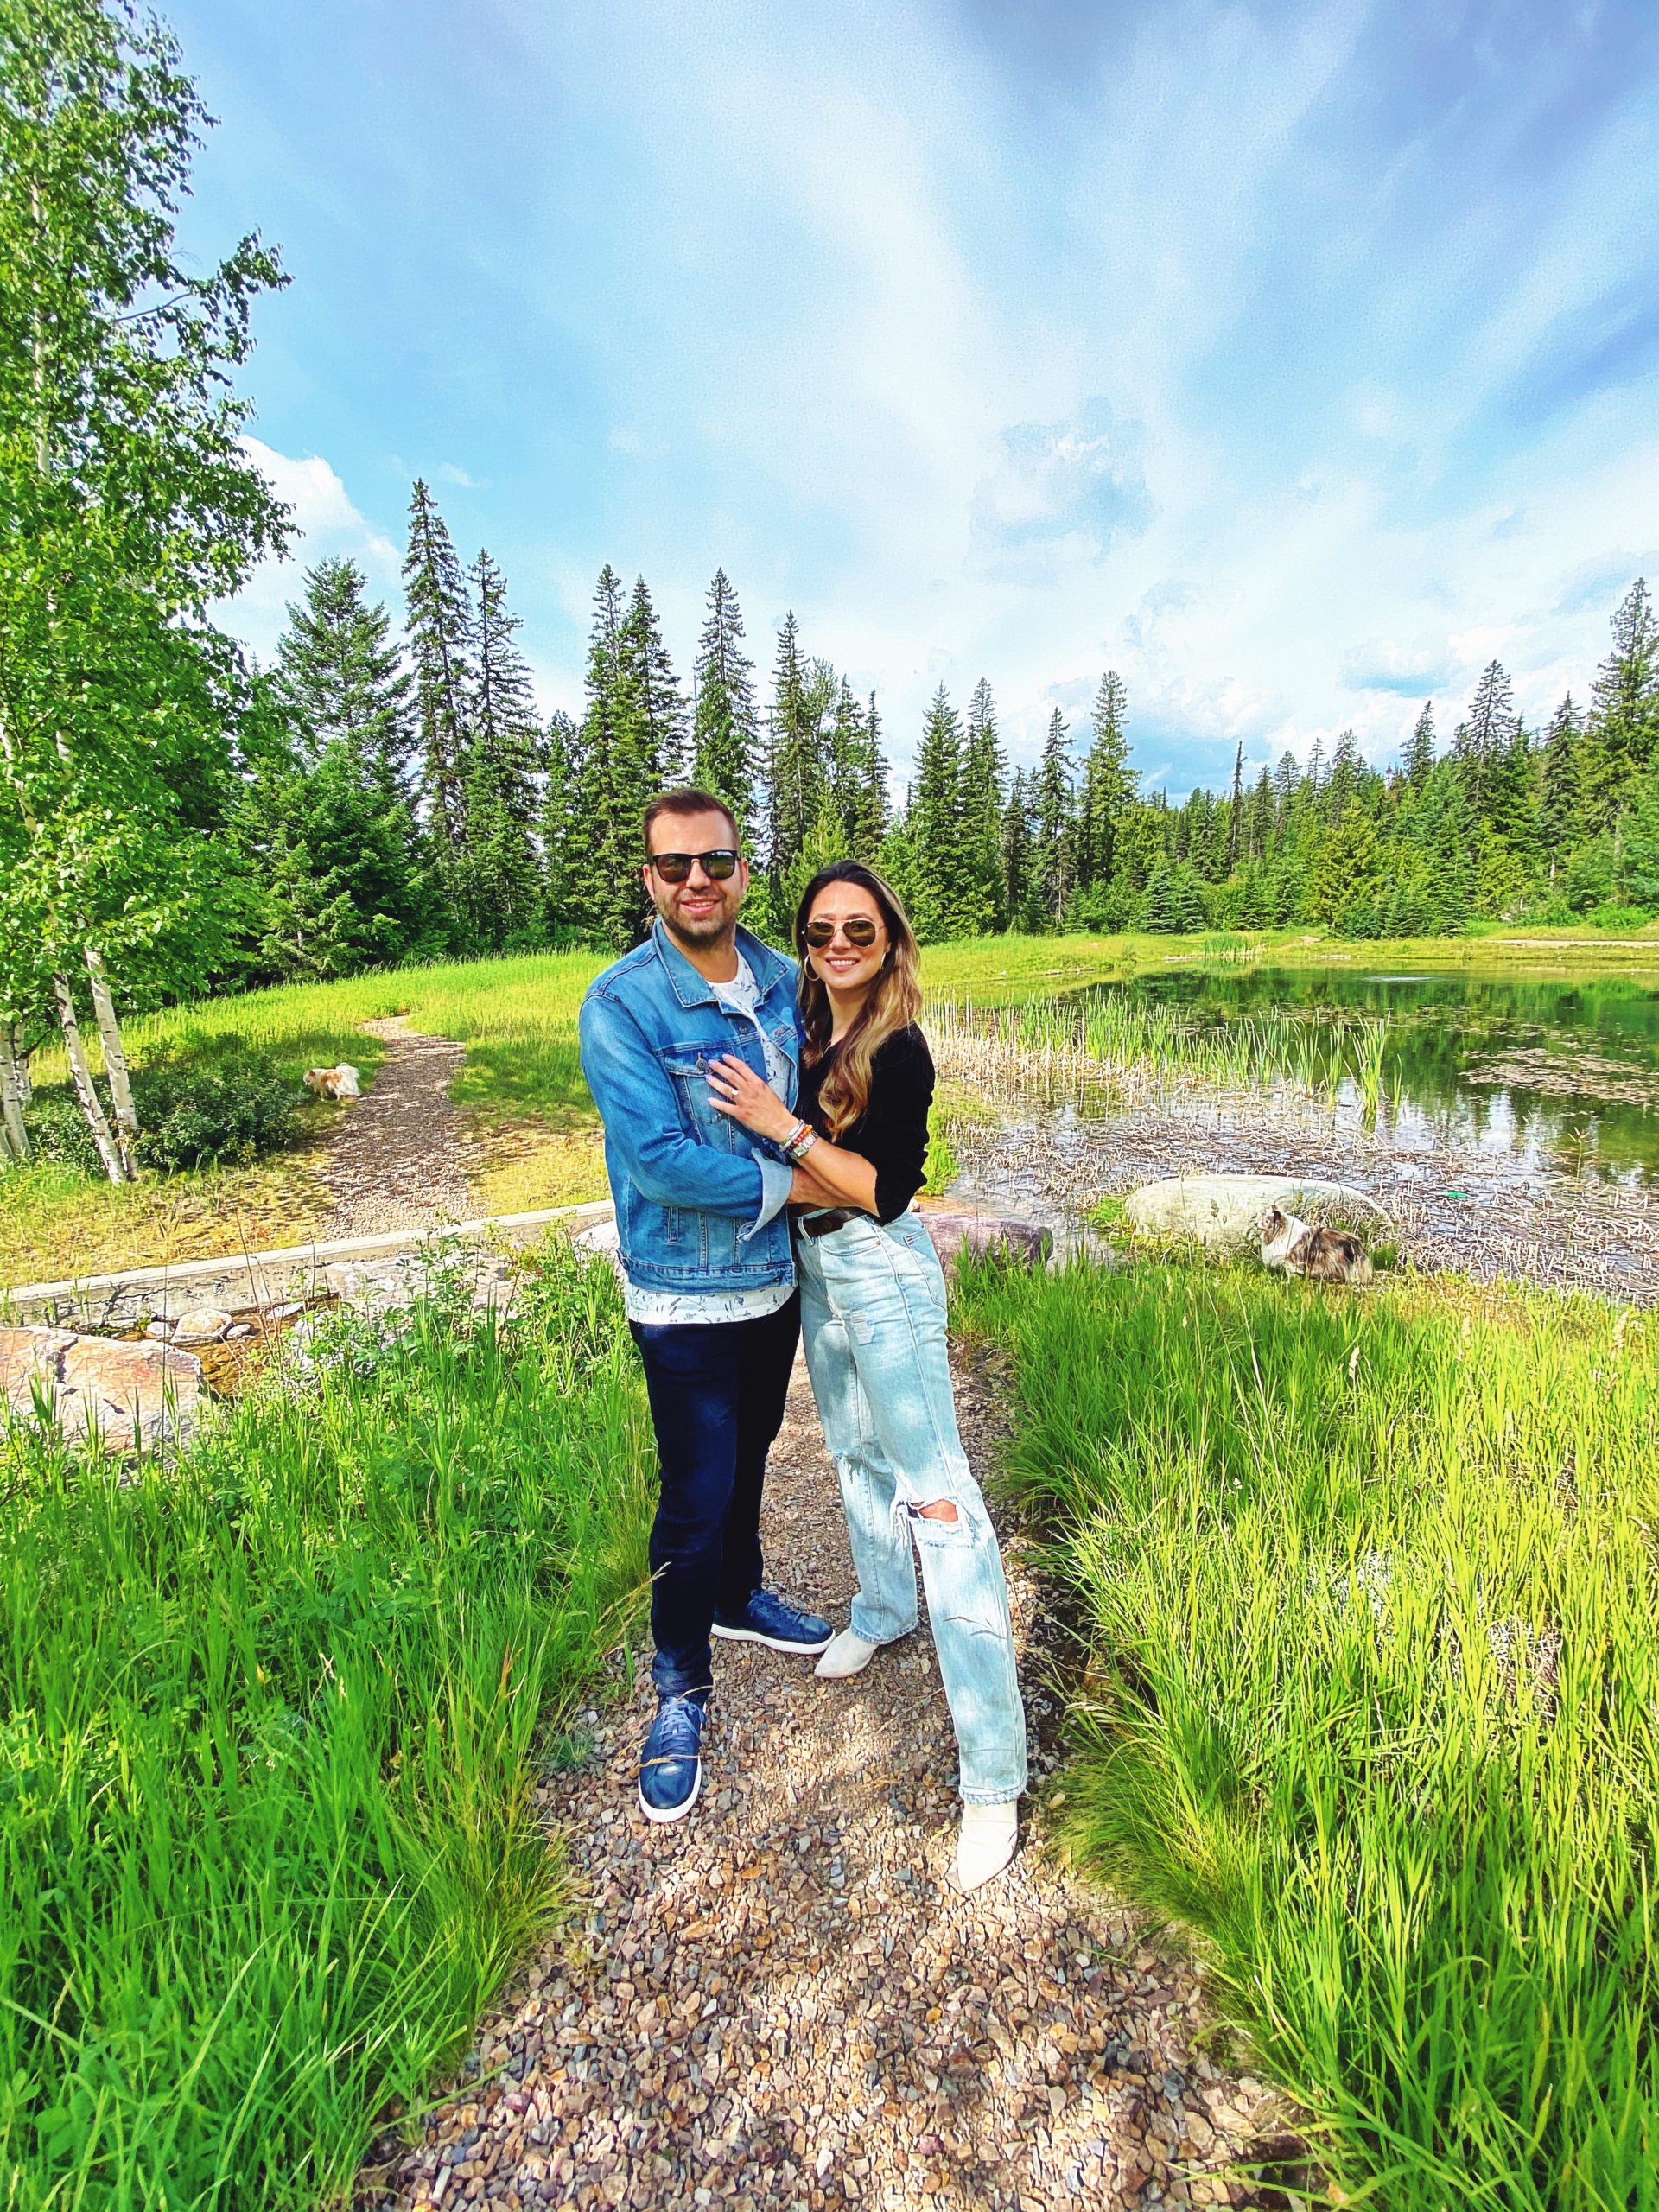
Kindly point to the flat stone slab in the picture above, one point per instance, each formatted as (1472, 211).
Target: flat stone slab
(1224, 1211)
(125, 1395)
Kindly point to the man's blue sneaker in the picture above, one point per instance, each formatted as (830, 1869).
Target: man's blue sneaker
(768, 1620)
(670, 1765)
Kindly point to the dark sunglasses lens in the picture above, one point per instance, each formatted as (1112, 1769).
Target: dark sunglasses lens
(859, 931)
(675, 868)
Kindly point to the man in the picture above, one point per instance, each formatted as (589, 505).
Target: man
(705, 1249)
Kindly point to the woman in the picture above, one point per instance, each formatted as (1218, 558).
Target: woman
(873, 1318)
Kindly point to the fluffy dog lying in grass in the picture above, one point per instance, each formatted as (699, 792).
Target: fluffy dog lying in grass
(334, 1083)
(1323, 1255)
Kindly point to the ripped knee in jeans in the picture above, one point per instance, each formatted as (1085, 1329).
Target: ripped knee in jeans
(939, 1521)
(941, 1508)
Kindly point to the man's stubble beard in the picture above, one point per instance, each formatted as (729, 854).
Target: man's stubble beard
(704, 934)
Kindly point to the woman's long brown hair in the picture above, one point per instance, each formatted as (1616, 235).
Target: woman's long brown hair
(894, 1002)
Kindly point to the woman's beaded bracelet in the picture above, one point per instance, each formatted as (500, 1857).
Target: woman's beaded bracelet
(800, 1141)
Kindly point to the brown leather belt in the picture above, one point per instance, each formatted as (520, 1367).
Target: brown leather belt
(825, 1225)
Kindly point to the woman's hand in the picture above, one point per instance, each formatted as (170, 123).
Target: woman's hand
(750, 1099)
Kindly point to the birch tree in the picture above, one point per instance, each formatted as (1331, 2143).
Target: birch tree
(127, 505)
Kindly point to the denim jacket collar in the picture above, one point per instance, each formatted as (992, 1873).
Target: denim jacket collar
(693, 990)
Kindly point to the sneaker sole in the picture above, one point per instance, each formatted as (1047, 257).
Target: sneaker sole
(676, 1812)
(773, 1643)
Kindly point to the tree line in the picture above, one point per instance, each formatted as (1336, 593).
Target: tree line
(176, 820)
(471, 828)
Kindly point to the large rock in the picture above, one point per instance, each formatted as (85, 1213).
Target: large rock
(1225, 1211)
(978, 1234)
(123, 1394)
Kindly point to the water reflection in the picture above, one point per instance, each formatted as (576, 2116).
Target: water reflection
(1545, 1073)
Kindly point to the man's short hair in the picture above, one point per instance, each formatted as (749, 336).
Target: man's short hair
(686, 799)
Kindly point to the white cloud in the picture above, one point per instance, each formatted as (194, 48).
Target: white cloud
(326, 525)
(450, 471)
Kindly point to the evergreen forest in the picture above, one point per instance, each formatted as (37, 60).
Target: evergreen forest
(405, 800)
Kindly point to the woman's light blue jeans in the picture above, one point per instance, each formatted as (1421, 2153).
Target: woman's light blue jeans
(873, 1319)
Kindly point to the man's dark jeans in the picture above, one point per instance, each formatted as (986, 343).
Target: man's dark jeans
(717, 1391)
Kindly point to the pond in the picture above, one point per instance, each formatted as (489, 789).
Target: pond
(1550, 1072)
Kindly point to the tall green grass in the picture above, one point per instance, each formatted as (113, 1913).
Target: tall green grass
(1372, 1695)
(272, 1718)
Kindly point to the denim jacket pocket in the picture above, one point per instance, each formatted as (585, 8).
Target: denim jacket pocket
(687, 1067)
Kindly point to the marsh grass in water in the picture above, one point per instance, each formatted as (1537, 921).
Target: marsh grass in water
(1071, 1049)
(1372, 1693)
(273, 1716)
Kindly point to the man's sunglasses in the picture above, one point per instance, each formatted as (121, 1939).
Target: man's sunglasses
(858, 930)
(675, 868)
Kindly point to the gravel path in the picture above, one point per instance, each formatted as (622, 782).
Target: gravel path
(398, 1159)
(781, 2003)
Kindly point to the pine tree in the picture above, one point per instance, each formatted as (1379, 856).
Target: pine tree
(567, 833)
(984, 778)
(1420, 747)
(1560, 808)
(438, 627)
(652, 690)
(497, 875)
(1021, 888)
(1625, 704)
(935, 823)
(847, 770)
(725, 737)
(873, 812)
(620, 776)
(796, 774)
(339, 678)
(1108, 782)
(1483, 739)
(1052, 799)
(1343, 779)
(342, 882)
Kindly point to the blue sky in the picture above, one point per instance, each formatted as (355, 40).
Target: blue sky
(1293, 359)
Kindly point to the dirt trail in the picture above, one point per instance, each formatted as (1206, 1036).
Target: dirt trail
(399, 1159)
(782, 2003)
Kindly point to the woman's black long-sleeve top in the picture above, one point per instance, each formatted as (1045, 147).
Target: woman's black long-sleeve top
(891, 1131)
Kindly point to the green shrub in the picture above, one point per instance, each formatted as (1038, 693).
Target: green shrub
(191, 1113)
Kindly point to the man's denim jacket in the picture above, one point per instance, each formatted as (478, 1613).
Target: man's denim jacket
(699, 1198)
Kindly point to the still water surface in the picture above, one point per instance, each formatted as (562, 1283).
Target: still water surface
(1556, 1072)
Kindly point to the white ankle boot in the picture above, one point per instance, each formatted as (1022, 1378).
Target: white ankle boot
(985, 1842)
(845, 1655)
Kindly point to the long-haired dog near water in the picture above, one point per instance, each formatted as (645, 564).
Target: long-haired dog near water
(334, 1083)
(1322, 1254)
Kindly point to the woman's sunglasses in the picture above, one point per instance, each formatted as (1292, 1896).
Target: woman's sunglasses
(675, 868)
(860, 929)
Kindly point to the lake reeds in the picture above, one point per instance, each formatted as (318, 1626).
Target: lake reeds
(272, 1717)
(1367, 1696)
(1071, 1049)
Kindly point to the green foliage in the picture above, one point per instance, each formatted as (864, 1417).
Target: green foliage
(267, 1838)
(725, 737)
(232, 1106)
(1367, 1584)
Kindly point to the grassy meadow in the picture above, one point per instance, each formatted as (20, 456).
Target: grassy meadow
(1370, 1695)
(522, 1087)
(273, 1718)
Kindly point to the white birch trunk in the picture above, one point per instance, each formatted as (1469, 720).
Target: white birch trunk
(14, 1096)
(115, 1064)
(91, 1105)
